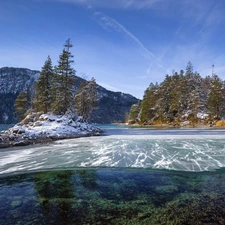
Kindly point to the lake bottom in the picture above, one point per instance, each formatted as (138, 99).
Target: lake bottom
(113, 196)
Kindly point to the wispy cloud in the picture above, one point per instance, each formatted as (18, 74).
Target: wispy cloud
(124, 4)
(198, 13)
(110, 87)
(109, 23)
(209, 12)
(168, 35)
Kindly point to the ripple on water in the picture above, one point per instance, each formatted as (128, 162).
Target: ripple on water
(174, 152)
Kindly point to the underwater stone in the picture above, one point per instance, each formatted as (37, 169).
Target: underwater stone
(15, 203)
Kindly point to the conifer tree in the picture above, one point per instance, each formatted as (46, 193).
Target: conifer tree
(86, 98)
(21, 105)
(44, 87)
(175, 106)
(194, 104)
(64, 80)
(216, 98)
(182, 96)
(134, 112)
(33, 99)
(148, 110)
(189, 69)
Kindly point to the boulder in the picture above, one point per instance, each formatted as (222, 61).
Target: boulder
(21, 143)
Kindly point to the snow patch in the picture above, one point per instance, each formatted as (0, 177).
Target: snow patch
(202, 116)
(57, 125)
(38, 127)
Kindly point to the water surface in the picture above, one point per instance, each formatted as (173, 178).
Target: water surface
(183, 150)
(127, 176)
(5, 126)
(113, 196)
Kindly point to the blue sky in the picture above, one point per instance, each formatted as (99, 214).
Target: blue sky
(123, 44)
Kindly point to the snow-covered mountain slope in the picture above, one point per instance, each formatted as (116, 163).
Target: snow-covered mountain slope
(13, 80)
(112, 106)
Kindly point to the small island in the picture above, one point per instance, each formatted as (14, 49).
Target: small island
(42, 128)
(53, 109)
(182, 99)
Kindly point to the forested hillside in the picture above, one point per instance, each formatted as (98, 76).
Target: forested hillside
(112, 106)
(182, 96)
(12, 82)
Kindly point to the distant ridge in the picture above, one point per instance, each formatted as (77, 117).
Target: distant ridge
(112, 106)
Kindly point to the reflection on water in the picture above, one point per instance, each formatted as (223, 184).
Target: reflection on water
(113, 196)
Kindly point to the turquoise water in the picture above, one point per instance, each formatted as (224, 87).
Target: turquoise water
(113, 196)
(5, 126)
(127, 176)
(177, 150)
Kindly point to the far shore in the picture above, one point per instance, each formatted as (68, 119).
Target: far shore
(176, 126)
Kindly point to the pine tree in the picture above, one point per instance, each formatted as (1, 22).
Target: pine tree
(134, 112)
(175, 106)
(86, 98)
(64, 80)
(44, 86)
(216, 98)
(21, 105)
(33, 99)
(182, 96)
(189, 69)
(194, 104)
(148, 107)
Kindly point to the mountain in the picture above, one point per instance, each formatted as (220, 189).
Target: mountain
(15, 80)
(112, 106)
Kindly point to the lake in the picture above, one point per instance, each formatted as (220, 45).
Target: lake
(5, 126)
(127, 176)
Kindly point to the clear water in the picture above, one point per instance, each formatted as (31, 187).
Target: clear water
(5, 126)
(113, 196)
(127, 176)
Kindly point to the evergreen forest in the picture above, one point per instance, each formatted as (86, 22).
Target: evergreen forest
(56, 90)
(183, 96)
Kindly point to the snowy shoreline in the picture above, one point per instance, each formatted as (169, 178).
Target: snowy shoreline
(43, 128)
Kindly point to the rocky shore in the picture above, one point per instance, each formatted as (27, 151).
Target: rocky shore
(42, 128)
